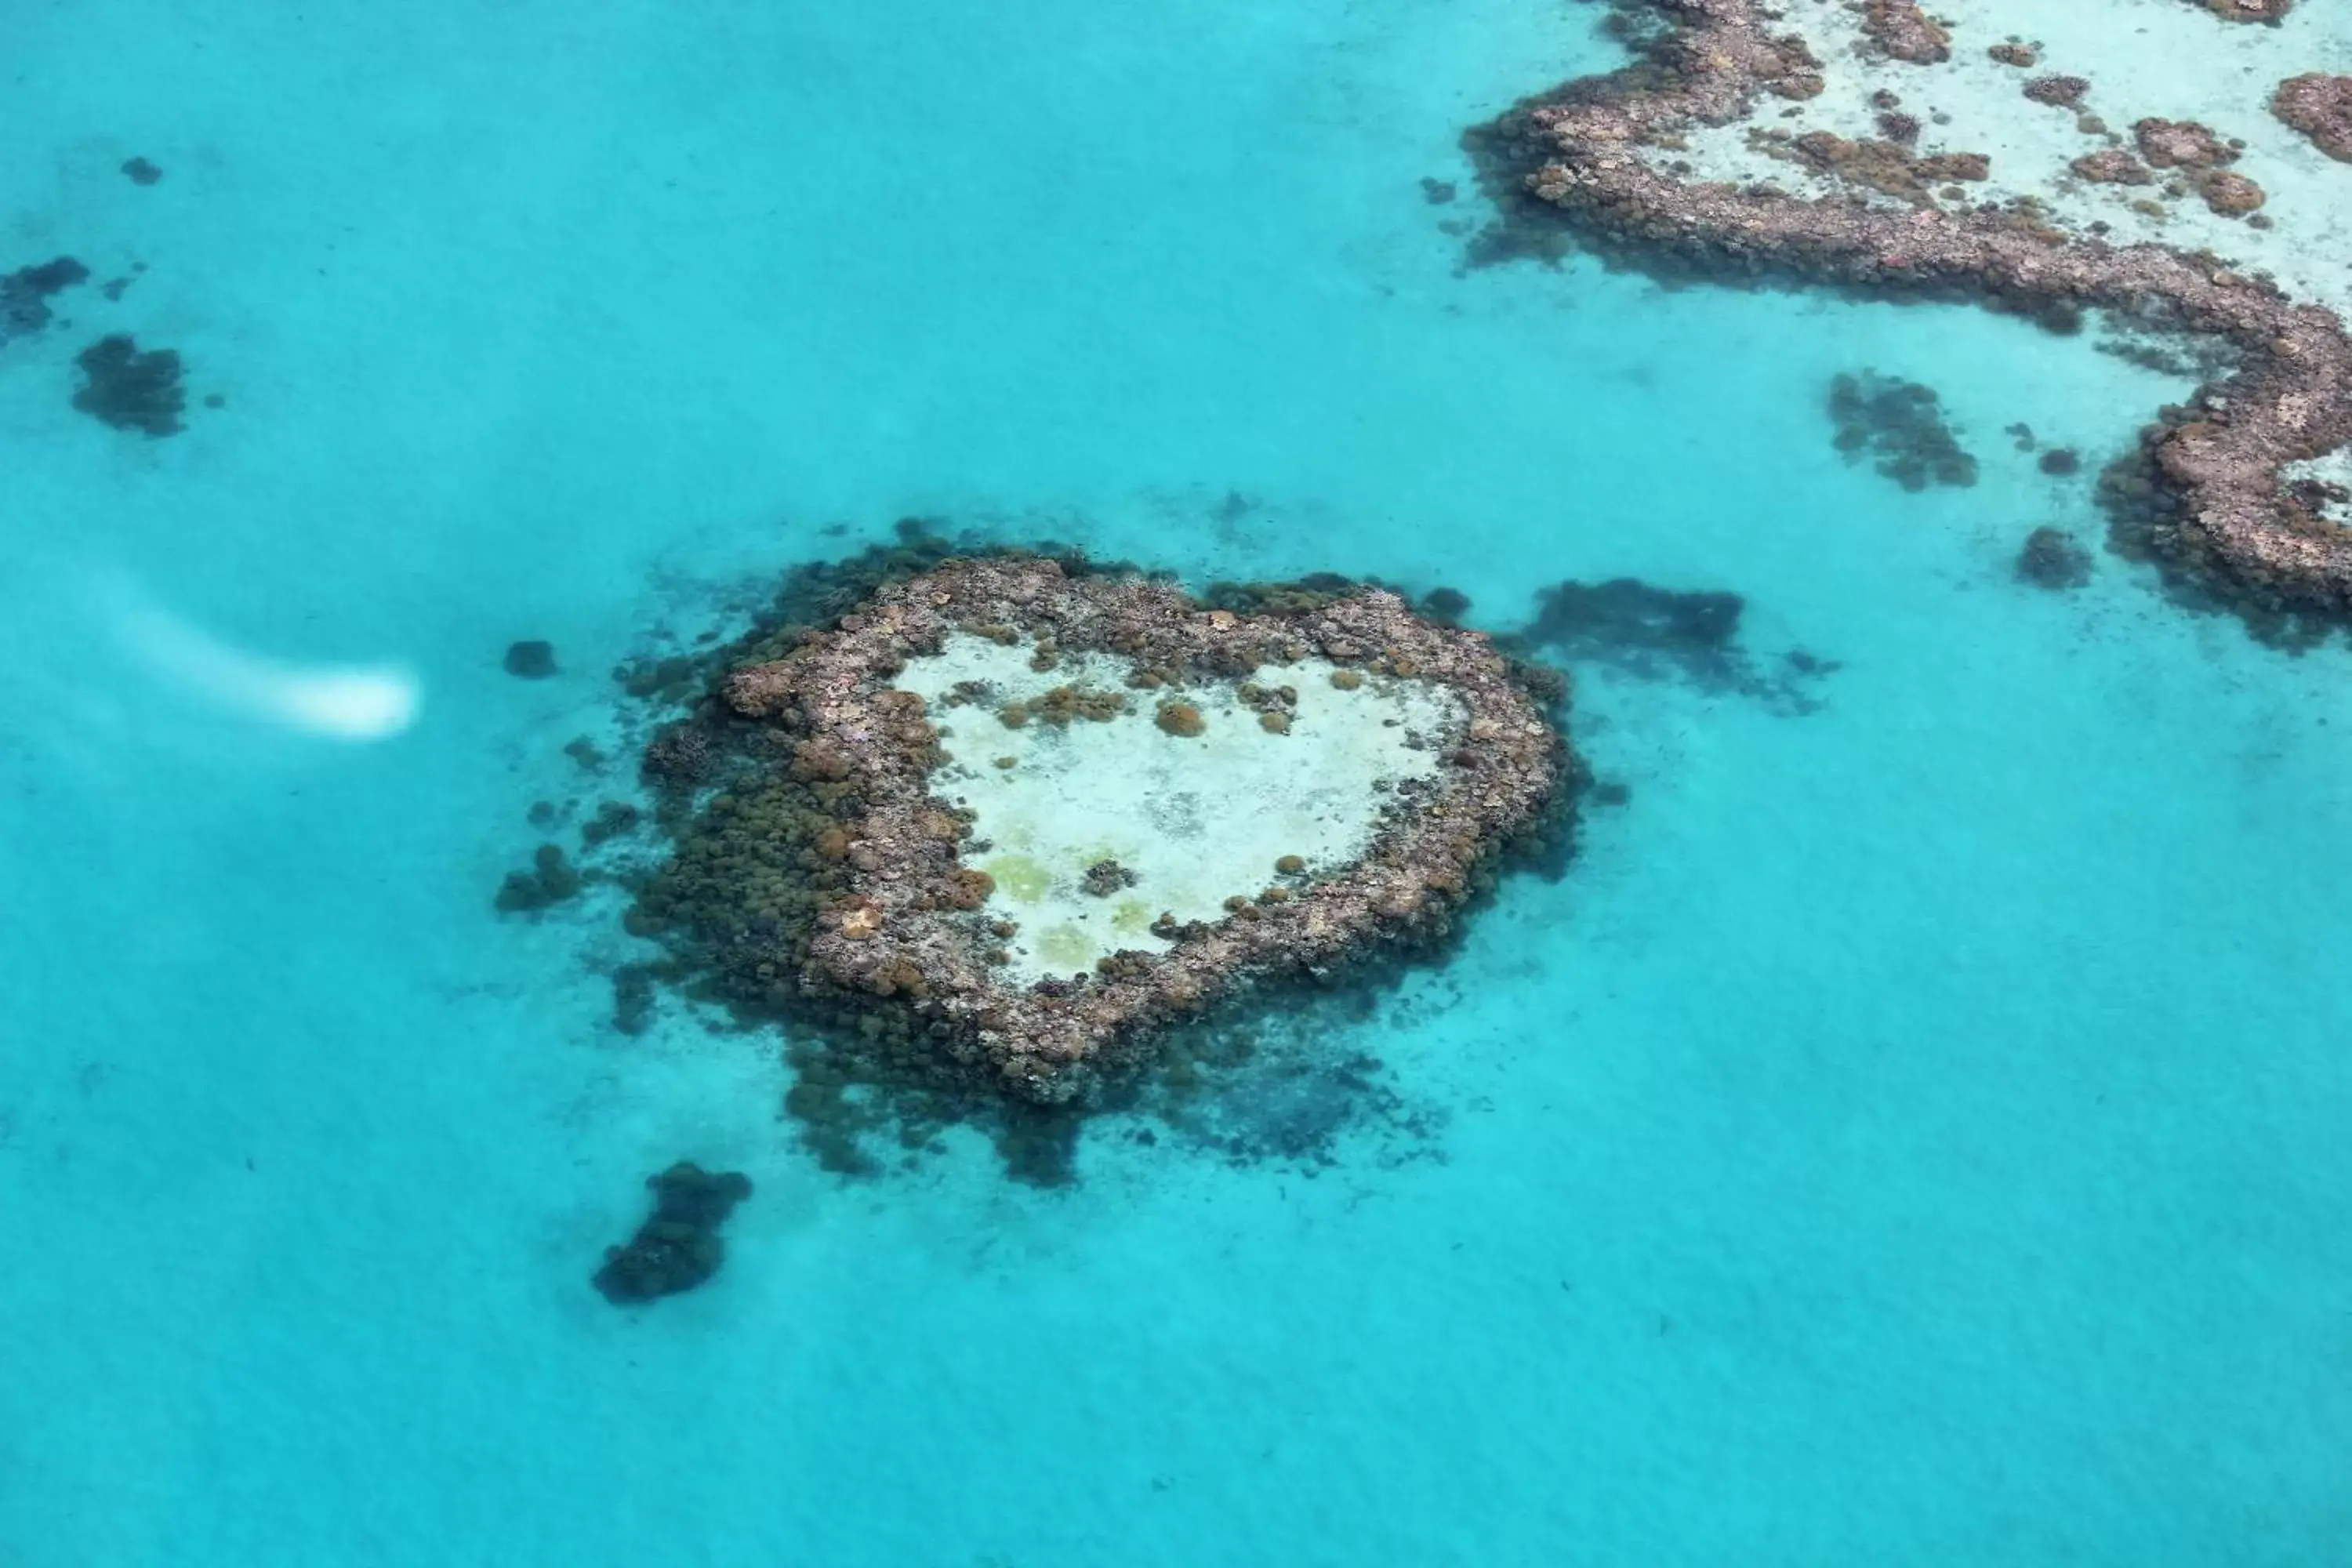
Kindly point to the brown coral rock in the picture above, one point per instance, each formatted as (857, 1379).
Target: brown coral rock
(2181, 145)
(1180, 719)
(2113, 166)
(2320, 106)
(1944, 166)
(1899, 29)
(2058, 91)
(2249, 10)
(2231, 196)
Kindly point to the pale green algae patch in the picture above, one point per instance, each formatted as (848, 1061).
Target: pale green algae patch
(1196, 819)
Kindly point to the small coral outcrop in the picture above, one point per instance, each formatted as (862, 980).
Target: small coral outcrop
(2053, 558)
(678, 1247)
(2320, 106)
(1902, 31)
(1179, 719)
(2270, 11)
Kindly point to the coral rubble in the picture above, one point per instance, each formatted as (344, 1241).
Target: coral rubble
(2203, 499)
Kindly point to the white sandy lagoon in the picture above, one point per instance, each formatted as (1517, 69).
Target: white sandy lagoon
(2142, 58)
(1196, 819)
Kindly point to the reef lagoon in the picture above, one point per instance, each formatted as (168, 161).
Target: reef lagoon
(1906, 1122)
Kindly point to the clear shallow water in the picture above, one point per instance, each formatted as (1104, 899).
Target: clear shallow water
(1914, 1132)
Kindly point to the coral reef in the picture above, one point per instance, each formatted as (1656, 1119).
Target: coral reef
(131, 388)
(2228, 194)
(1887, 166)
(1105, 877)
(2053, 558)
(679, 757)
(1444, 605)
(885, 937)
(141, 171)
(2203, 501)
(2270, 11)
(1899, 29)
(678, 1247)
(1283, 1087)
(1179, 719)
(1901, 425)
(2320, 106)
(1650, 633)
(813, 879)
(532, 660)
(613, 818)
(1625, 616)
(2112, 166)
(2181, 145)
(25, 294)
(2058, 91)
(551, 881)
(634, 992)
(740, 858)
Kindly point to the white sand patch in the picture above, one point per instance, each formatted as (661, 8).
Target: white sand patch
(1197, 820)
(2142, 58)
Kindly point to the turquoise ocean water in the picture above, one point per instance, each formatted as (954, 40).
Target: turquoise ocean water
(1914, 1131)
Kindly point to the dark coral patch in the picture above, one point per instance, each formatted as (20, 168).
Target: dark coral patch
(131, 388)
(678, 1247)
(1901, 425)
(551, 881)
(531, 661)
(25, 294)
(1650, 633)
(2052, 558)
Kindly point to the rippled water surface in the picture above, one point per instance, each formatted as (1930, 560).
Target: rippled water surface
(1914, 1130)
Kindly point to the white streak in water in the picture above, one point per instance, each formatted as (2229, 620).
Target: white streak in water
(347, 702)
